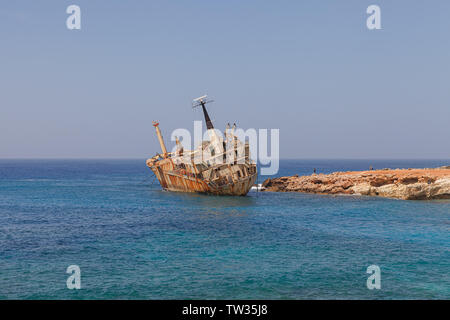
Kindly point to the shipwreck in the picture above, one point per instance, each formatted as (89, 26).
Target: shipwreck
(218, 166)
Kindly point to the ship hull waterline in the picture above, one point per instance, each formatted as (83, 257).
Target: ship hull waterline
(172, 181)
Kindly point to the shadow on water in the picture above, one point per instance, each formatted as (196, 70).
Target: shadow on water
(205, 203)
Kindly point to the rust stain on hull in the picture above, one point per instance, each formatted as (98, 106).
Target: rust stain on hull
(172, 180)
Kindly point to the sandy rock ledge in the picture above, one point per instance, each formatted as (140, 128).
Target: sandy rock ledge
(407, 184)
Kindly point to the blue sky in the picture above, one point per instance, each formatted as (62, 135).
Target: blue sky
(310, 68)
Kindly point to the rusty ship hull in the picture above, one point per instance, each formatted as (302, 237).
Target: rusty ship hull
(219, 166)
(185, 180)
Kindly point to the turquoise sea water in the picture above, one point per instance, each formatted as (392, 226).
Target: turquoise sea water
(134, 241)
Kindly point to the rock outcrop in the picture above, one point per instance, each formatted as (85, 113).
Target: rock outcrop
(407, 184)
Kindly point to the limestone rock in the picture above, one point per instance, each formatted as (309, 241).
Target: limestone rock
(407, 184)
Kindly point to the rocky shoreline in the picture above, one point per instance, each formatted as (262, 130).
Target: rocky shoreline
(406, 184)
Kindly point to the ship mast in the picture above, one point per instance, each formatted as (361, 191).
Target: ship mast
(201, 101)
(160, 139)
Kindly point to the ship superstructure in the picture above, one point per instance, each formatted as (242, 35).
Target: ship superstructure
(220, 165)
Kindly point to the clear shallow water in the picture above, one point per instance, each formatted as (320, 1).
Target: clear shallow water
(134, 241)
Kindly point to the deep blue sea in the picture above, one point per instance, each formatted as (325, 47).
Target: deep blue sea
(132, 240)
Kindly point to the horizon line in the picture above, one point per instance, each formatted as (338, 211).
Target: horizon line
(139, 158)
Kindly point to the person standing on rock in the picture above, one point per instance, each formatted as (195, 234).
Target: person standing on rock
(314, 170)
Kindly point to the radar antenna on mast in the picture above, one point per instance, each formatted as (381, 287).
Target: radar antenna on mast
(201, 101)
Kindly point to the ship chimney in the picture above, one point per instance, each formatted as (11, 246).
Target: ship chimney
(160, 138)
